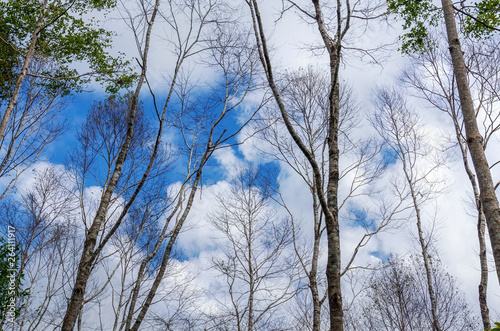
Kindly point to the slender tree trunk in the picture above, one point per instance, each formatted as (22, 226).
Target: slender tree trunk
(483, 283)
(168, 250)
(251, 277)
(313, 281)
(88, 257)
(426, 258)
(408, 171)
(481, 222)
(24, 71)
(488, 197)
(333, 267)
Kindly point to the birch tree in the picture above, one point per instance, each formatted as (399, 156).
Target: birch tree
(401, 130)
(257, 263)
(90, 249)
(34, 123)
(305, 94)
(44, 218)
(431, 78)
(332, 30)
(199, 121)
(397, 299)
(416, 16)
(54, 30)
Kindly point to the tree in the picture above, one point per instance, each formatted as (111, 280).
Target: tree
(400, 128)
(34, 123)
(199, 120)
(397, 299)
(305, 94)
(415, 14)
(91, 250)
(332, 44)
(44, 218)
(256, 262)
(53, 30)
(431, 78)
(488, 196)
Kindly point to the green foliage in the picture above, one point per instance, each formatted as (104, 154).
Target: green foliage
(10, 280)
(66, 38)
(8, 61)
(417, 15)
(478, 20)
(497, 327)
(481, 18)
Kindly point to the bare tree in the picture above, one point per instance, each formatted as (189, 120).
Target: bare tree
(91, 250)
(33, 124)
(305, 94)
(100, 144)
(45, 226)
(332, 33)
(397, 299)
(256, 263)
(199, 120)
(401, 130)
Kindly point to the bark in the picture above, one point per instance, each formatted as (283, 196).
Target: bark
(488, 197)
(85, 267)
(313, 281)
(481, 222)
(483, 283)
(333, 268)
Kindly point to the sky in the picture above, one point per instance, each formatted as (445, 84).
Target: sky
(290, 37)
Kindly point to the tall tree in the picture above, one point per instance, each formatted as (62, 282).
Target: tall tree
(332, 37)
(256, 262)
(430, 77)
(400, 128)
(200, 121)
(44, 219)
(34, 123)
(305, 94)
(91, 249)
(416, 15)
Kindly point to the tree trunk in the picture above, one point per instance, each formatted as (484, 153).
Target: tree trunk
(251, 274)
(481, 222)
(166, 255)
(333, 267)
(313, 281)
(88, 257)
(488, 197)
(426, 258)
(483, 283)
